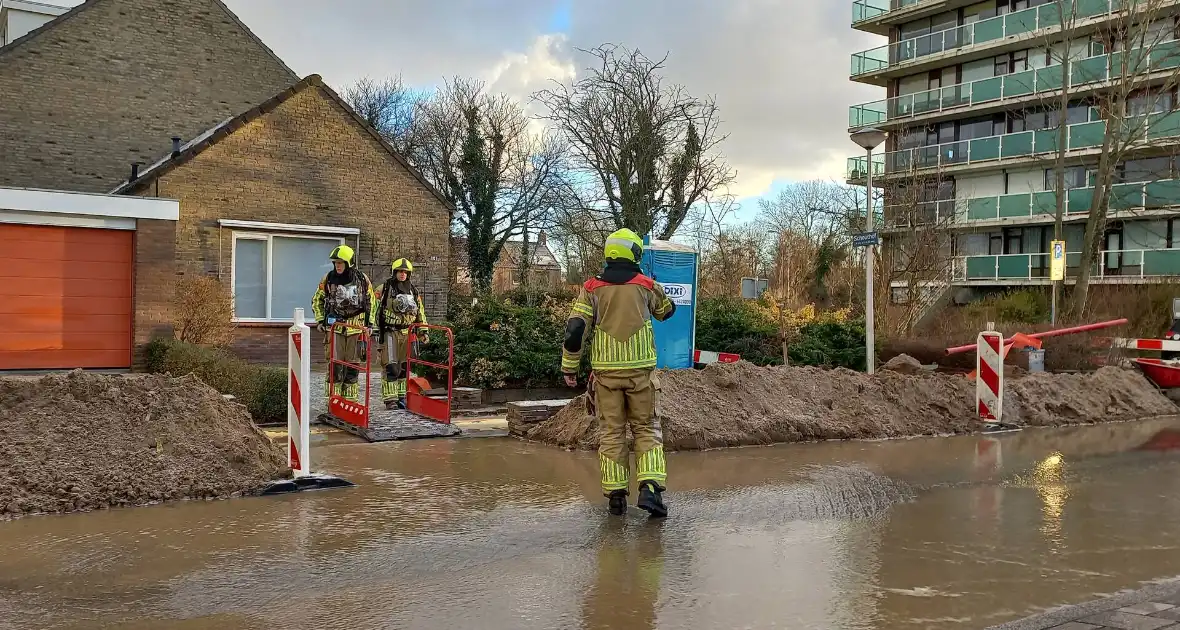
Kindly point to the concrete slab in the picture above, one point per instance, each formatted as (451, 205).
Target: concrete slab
(1153, 607)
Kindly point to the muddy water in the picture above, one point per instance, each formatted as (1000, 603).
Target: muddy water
(492, 533)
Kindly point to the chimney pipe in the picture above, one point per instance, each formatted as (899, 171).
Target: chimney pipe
(542, 239)
(134, 172)
(175, 146)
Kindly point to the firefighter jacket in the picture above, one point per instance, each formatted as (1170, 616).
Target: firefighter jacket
(399, 308)
(615, 310)
(346, 298)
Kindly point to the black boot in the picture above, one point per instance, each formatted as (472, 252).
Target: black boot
(618, 502)
(650, 499)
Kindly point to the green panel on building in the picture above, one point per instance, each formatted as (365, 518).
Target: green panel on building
(981, 208)
(981, 267)
(985, 149)
(1161, 262)
(1019, 83)
(1017, 144)
(1163, 194)
(1125, 196)
(1015, 205)
(1163, 125)
(1089, 70)
(1015, 266)
(1049, 78)
(989, 29)
(1079, 200)
(1044, 203)
(1045, 140)
(985, 90)
(1086, 135)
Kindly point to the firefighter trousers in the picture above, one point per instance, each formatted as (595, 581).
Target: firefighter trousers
(394, 370)
(629, 399)
(344, 379)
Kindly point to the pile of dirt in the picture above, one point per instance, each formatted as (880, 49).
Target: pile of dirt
(903, 363)
(83, 441)
(740, 404)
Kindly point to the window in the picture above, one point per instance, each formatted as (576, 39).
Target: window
(273, 275)
(1075, 177)
(1145, 170)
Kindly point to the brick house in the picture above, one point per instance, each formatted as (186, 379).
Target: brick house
(266, 195)
(544, 272)
(110, 81)
(270, 173)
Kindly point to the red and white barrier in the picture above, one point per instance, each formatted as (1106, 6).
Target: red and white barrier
(1167, 345)
(706, 357)
(298, 398)
(989, 376)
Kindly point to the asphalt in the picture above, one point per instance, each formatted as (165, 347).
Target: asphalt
(1153, 607)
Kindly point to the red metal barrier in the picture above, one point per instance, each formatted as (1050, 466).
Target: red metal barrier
(1048, 333)
(416, 399)
(354, 413)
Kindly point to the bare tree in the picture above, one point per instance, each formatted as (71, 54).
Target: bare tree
(815, 209)
(389, 106)
(480, 152)
(645, 152)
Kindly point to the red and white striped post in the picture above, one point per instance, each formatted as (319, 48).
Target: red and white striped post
(298, 399)
(989, 376)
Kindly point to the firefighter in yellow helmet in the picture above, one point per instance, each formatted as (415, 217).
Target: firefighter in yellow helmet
(400, 308)
(345, 295)
(614, 310)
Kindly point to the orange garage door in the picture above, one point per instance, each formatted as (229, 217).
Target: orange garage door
(65, 297)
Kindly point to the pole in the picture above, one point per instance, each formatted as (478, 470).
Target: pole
(870, 348)
(1049, 333)
(298, 396)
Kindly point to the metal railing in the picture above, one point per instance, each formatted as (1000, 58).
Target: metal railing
(991, 29)
(1120, 263)
(863, 10)
(1164, 55)
(1079, 136)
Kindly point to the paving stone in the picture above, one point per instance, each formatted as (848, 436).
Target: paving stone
(1171, 613)
(1127, 621)
(1076, 625)
(1146, 608)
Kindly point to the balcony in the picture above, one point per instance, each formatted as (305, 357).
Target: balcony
(1139, 196)
(1112, 266)
(990, 30)
(994, 149)
(1018, 85)
(864, 10)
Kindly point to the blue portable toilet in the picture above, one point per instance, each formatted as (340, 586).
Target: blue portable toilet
(674, 266)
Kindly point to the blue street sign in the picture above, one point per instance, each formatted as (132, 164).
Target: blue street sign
(865, 239)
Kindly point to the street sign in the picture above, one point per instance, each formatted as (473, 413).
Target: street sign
(1056, 260)
(865, 239)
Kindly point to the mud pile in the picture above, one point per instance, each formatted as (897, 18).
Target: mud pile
(741, 404)
(81, 441)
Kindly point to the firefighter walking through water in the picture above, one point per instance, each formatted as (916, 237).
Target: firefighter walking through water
(401, 307)
(345, 296)
(614, 311)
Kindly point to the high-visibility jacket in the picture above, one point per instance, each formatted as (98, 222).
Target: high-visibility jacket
(389, 316)
(352, 303)
(617, 317)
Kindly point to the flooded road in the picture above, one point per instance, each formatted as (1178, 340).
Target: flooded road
(492, 533)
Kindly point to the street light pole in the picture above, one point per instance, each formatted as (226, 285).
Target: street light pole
(869, 138)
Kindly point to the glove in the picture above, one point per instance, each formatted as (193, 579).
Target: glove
(321, 326)
(424, 338)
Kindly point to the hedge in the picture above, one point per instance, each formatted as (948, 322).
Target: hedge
(262, 388)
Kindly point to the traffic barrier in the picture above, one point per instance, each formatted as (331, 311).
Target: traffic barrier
(707, 356)
(1166, 345)
(299, 417)
(1049, 333)
(353, 412)
(417, 400)
(298, 396)
(989, 380)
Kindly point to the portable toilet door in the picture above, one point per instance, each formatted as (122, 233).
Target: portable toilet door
(674, 266)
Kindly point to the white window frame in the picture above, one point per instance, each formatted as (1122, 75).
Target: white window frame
(268, 237)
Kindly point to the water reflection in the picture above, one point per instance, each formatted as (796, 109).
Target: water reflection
(492, 533)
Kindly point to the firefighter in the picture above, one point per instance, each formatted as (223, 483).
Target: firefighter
(400, 308)
(345, 296)
(614, 311)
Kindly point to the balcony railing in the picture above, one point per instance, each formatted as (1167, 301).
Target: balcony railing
(992, 29)
(1079, 136)
(868, 9)
(1163, 55)
(1123, 263)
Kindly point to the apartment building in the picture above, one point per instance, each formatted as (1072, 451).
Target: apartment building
(972, 112)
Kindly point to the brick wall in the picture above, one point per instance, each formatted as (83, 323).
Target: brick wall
(111, 82)
(155, 279)
(307, 162)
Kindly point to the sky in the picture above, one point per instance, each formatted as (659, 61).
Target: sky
(778, 68)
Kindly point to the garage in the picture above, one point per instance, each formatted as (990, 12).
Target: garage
(70, 264)
(67, 298)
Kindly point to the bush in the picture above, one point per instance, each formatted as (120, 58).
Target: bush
(728, 324)
(830, 344)
(750, 328)
(500, 343)
(262, 388)
(204, 311)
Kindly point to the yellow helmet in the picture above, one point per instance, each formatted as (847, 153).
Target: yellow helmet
(623, 244)
(343, 253)
(403, 264)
